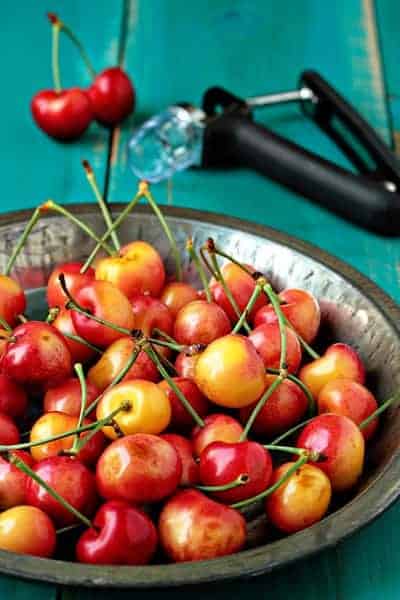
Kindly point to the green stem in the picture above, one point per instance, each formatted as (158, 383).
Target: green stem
(164, 335)
(310, 351)
(299, 463)
(72, 305)
(5, 325)
(199, 268)
(28, 471)
(165, 360)
(274, 299)
(241, 480)
(250, 305)
(176, 347)
(163, 372)
(100, 200)
(21, 242)
(384, 406)
(290, 432)
(99, 425)
(260, 404)
(302, 386)
(81, 340)
(168, 233)
(55, 56)
(69, 33)
(232, 259)
(81, 376)
(67, 528)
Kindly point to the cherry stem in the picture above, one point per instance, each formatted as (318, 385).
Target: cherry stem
(181, 397)
(290, 432)
(232, 259)
(107, 421)
(176, 347)
(22, 240)
(310, 351)
(274, 299)
(174, 248)
(199, 268)
(164, 335)
(55, 56)
(168, 364)
(53, 206)
(302, 386)
(28, 471)
(313, 455)
(5, 325)
(260, 404)
(67, 528)
(81, 376)
(250, 305)
(241, 480)
(81, 340)
(90, 176)
(71, 35)
(384, 406)
(299, 463)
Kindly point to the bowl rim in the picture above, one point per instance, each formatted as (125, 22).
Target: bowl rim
(365, 507)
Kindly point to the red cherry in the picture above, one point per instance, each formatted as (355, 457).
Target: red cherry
(79, 352)
(267, 341)
(13, 398)
(124, 535)
(62, 115)
(13, 481)
(150, 313)
(180, 418)
(9, 433)
(183, 446)
(217, 428)
(112, 96)
(67, 397)
(74, 280)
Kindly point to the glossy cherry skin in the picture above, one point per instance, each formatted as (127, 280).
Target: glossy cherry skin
(267, 341)
(138, 468)
(9, 433)
(222, 463)
(72, 480)
(341, 445)
(12, 300)
(27, 530)
(150, 313)
(184, 448)
(139, 269)
(285, 407)
(194, 527)
(112, 96)
(351, 399)
(339, 360)
(13, 481)
(241, 285)
(176, 295)
(200, 322)
(300, 308)
(180, 418)
(74, 281)
(124, 535)
(67, 397)
(105, 301)
(230, 372)
(62, 115)
(185, 365)
(217, 428)
(113, 361)
(80, 353)
(301, 501)
(37, 356)
(13, 398)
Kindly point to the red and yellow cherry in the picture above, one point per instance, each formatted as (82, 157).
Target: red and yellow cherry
(351, 399)
(150, 313)
(74, 281)
(194, 527)
(138, 468)
(67, 397)
(222, 463)
(37, 356)
(241, 285)
(267, 341)
(114, 360)
(200, 322)
(184, 448)
(122, 535)
(185, 364)
(80, 353)
(138, 269)
(12, 300)
(27, 530)
(217, 428)
(176, 295)
(149, 410)
(302, 500)
(9, 433)
(13, 398)
(285, 407)
(13, 481)
(62, 115)
(54, 423)
(104, 301)
(341, 445)
(112, 96)
(230, 372)
(339, 360)
(300, 308)
(71, 480)
(180, 418)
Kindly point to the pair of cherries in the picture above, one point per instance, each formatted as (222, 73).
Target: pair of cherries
(65, 114)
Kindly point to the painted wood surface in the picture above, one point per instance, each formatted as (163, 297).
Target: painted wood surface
(174, 50)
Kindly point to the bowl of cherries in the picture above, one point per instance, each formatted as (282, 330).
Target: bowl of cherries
(185, 397)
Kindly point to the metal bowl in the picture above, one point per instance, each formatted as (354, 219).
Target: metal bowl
(354, 310)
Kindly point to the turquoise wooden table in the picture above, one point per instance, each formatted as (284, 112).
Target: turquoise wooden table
(174, 50)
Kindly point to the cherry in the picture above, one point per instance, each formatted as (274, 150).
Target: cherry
(13, 398)
(74, 281)
(12, 300)
(13, 481)
(9, 433)
(267, 341)
(210, 529)
(122, 535)
(222, 463)
(80, 352)
(63, 115)
(27, 530)
(112, 96)
(150, 313)
(176, 295)
(200, 322)
(185, 364)
(184, 448)
(180, 418)
(67, 397)
(217, 428)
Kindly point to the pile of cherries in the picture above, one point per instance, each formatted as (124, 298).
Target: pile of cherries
(65, 114)
(159, 411)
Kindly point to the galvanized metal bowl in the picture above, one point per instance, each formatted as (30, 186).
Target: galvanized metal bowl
(354, 310)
